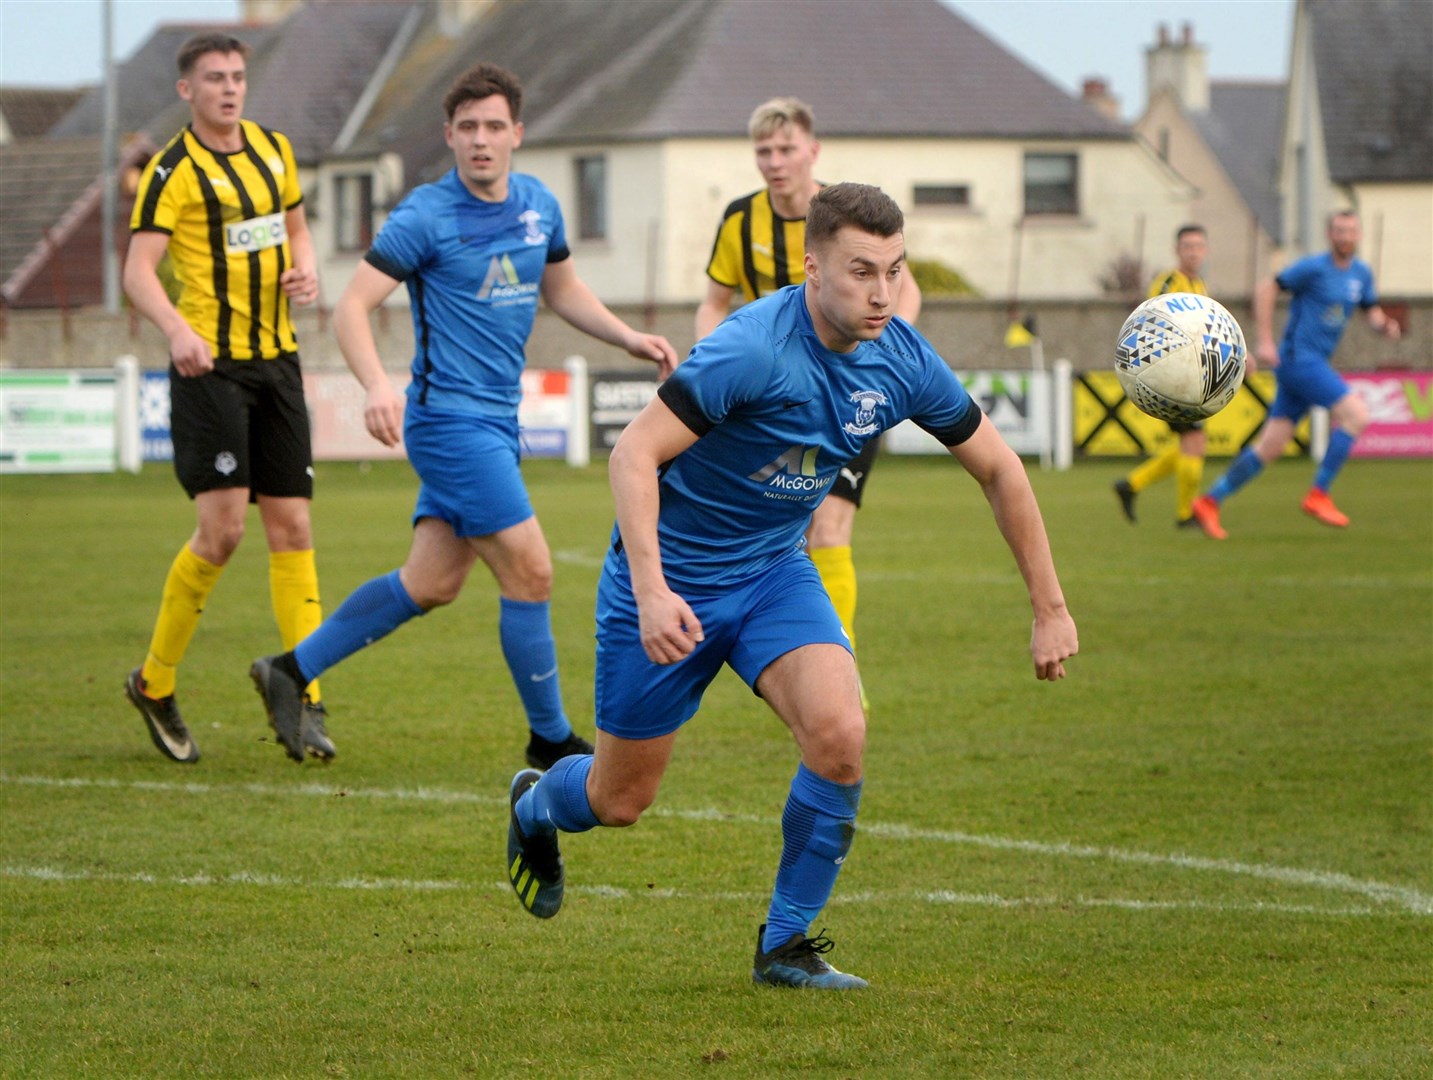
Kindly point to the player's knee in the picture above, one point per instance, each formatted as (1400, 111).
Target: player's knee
(1351, 414)
(834, 748)
(218, 539)
(622, 810)
(433, 590)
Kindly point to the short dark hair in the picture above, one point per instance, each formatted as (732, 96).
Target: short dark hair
(483, 81)
(1185, 230)
(866, 207)
(203, 45)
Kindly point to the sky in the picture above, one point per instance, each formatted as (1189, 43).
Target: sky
(57, 42)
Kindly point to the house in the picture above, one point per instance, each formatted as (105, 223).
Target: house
(636, 117)
(27, 112)
(1358, 132)
(1223, 137)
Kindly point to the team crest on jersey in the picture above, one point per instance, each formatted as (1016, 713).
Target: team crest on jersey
(503, 286)
(867, 402)
(531, 221)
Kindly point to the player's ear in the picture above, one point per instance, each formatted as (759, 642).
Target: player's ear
(517, 135)
(182, 89)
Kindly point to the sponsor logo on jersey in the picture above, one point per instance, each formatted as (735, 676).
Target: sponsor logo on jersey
(792, 474)
(866, 402)
(503, 286)
(256, 234)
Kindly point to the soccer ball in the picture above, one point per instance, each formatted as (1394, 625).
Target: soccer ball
(1180, 357)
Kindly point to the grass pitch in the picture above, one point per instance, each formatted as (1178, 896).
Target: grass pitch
(1207, 853)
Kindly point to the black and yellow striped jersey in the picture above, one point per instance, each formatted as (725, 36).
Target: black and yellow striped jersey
(1177, 280)
(756, 250)
(225, 215)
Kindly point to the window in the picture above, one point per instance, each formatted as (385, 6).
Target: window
(942, 195)
(592, 198)
(1051, 184)
(353, 220)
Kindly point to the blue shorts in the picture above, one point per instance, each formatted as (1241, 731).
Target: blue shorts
(469, 468)
(1302, 386)
(746, 627)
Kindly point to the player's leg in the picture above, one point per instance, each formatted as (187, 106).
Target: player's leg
(828, 539)
(1189, 473)
(209, 427)
(792, 652)
(521, 564)
(1288, 408)
(1348, 414)
(640, 706)
(1141, 477)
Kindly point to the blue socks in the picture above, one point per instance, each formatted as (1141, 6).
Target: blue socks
(1246, 466)
(525, 629)
(373, 610)
(1340, 443)
(559, 799)
(817, 827)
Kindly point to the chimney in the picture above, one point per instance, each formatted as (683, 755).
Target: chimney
(1181, 67)
(1095, 93)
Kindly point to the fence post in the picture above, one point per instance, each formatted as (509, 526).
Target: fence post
(579, 414)
(129, 448)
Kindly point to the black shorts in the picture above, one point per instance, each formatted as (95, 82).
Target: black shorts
(1180, 428)
(242, 425)
(850, 482)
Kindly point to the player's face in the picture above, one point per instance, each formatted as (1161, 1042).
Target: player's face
(1191, 250)
(483, 136)
(854, 279)
(786, 159)
(1344, 234)
(215, 91)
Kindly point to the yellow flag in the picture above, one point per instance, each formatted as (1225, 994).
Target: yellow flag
(1017, 335)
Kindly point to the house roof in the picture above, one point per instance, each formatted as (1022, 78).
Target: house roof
(662, 69)
(1375, 85)
(48, 184)
(31, 111)
(1243, 128)
(306, 74)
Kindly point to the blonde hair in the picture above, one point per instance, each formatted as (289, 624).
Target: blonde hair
(780, 112)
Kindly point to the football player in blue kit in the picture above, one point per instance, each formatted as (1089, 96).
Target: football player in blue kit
(476, 249)
(1326, 288)
(714, 484)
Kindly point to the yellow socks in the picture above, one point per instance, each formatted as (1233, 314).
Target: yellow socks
(1154, 470)
(187, 587)
(838, 574)
(1187, 479)
(293, 585)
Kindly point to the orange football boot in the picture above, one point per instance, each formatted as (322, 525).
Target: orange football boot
(1317, 504)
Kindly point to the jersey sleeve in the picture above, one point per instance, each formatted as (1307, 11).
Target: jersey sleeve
(1296, 275)
(724, 267)
(157, 201)
(943, 407)
(726, 369)
(1162, 284)
(557, 248)
(403, 244)
(292, 194)
(1369, 297)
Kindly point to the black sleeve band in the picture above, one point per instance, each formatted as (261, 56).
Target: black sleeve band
(677, 398)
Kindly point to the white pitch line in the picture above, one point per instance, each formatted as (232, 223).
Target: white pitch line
(1412, 900)
(617, 893)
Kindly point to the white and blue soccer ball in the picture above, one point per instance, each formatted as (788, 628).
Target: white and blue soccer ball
(1180, 357)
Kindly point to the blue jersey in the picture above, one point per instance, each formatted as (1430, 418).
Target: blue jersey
(778, 414)
(473, 271)
(1324, 296)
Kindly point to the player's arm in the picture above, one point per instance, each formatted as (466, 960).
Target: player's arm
(669, 628)
(1266, 294)
(382, 407)
(908, 304)
(568, 295)
(1382, 323)
(1002, 478)
(715, 307)
(189, 352)
(300, 281)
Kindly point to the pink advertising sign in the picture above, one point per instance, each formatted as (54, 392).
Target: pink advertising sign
(1400, 413)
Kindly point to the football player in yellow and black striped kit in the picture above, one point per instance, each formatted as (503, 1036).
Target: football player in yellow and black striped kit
(223, 201)
(760, 248)
(1184, 457)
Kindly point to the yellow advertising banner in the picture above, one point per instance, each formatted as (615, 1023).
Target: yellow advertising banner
(1106, 423)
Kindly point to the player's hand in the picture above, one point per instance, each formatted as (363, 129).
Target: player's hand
(1266, 354)
(1053, 640)
(656, 348)
(383, 413)
(669, 628)
(300, 285)
(1391, 329)
(190, 353)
